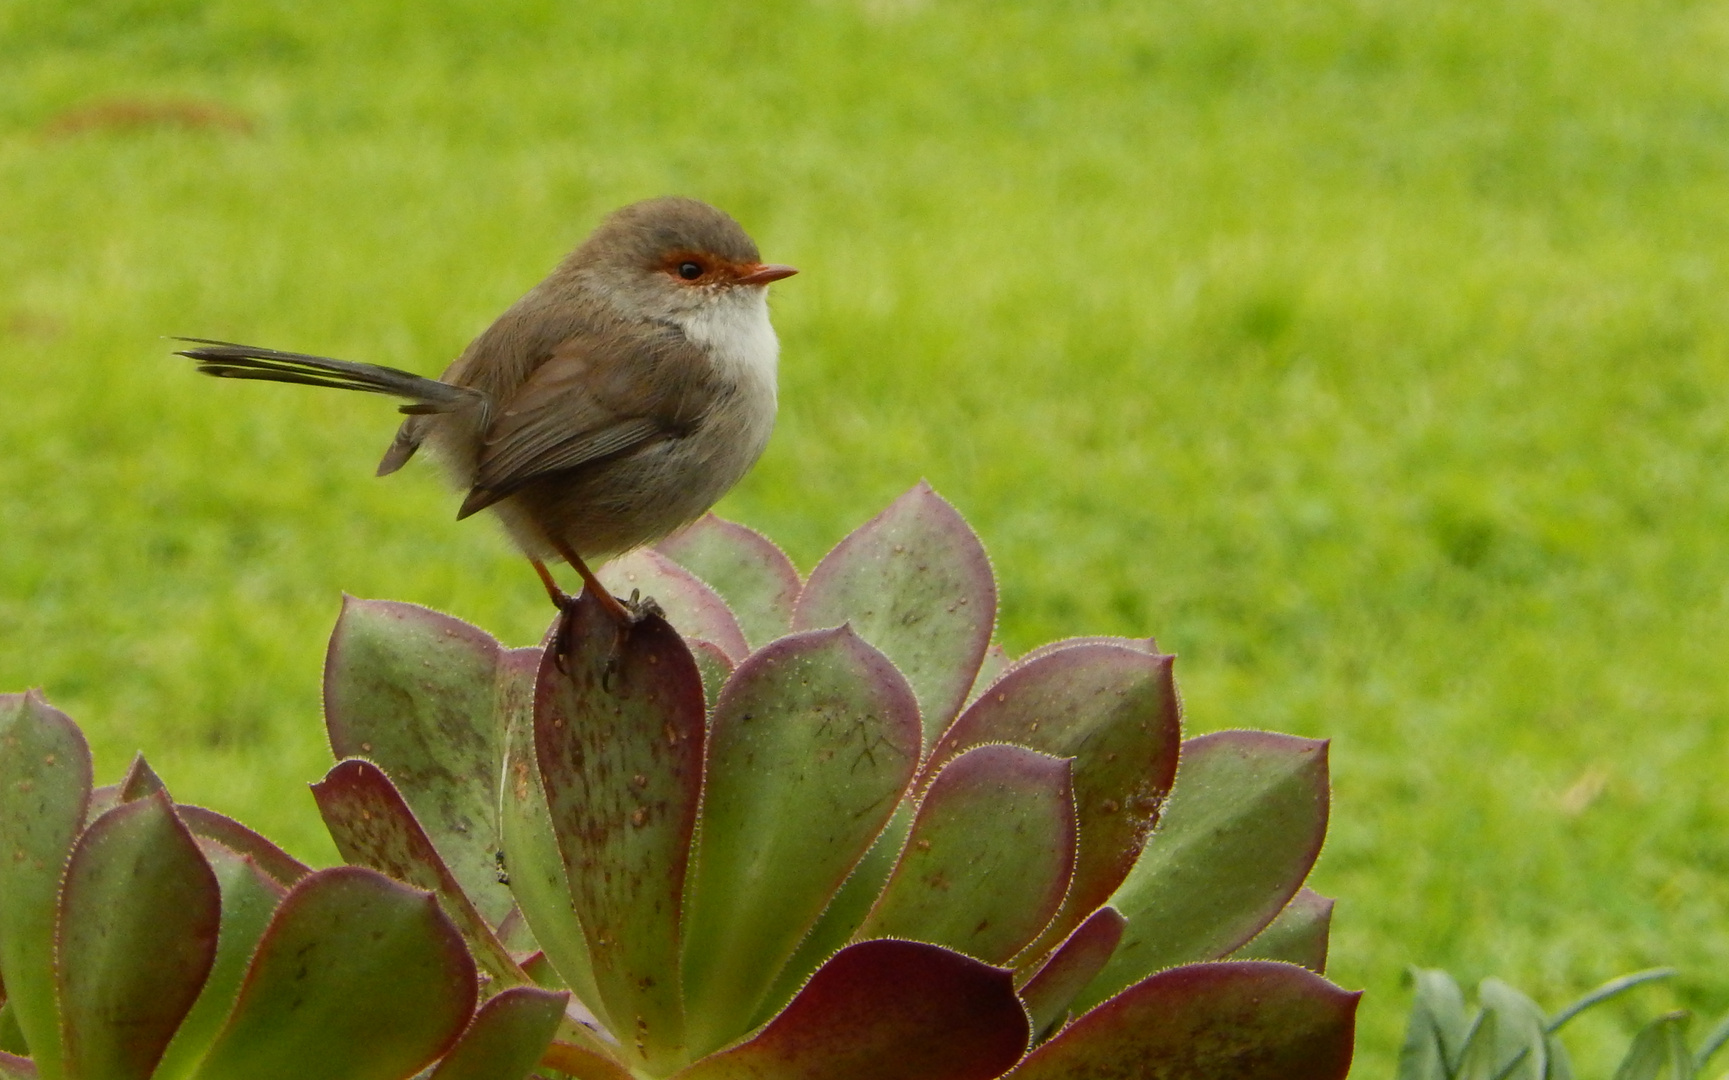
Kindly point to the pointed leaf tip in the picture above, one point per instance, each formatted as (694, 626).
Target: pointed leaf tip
(751, 574)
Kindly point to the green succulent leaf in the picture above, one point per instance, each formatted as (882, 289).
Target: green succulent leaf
(357, 978)
(416, 691)
(249, 900)
(989, 858)
(714, 664)
(506, 1037)
(139, 915)
(996, 661)
(810, 748)
(1244, 825)
(1068, 970)
(1238, 1020)
(693, 608)
(1438, 1027)
(619, 731)
(373, 826)
(282, 867)
(1610, 990)
(914, 581)
(754, 576)
(44, 792)
(1659, 1051)
(1297, 935)
(140, 780)
(1521, 1042)
(886, 1010)
(1111, 707)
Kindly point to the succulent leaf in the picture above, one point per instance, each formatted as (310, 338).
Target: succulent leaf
(914, 581)
(989, 858)
(886, 1010)
(619, 726)
(1241, 1020)
(373, 826)
(249, 900)
(416, 691)
(140, 780)
(1659, 1051)
(139, 915)
(44, 793)
(810, 748)
(1068, 970)
(714, 664)
(1438, 1029)
(282, 867)
(1297, 935)
(691, 606)
(996, 661)
(1244, 825)
(1521, 1043)
(1114, 710)
(581, 1063)
(357, 978)
(754, 576)
(532, 862)
(506, 1037)
(13, 1067)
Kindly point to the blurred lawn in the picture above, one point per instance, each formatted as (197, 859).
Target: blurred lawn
(1372, 355)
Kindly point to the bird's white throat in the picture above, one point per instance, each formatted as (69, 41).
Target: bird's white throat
(735, 331)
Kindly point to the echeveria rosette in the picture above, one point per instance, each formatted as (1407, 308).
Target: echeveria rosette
(720, 834)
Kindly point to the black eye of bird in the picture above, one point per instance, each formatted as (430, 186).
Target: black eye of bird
(689, 271)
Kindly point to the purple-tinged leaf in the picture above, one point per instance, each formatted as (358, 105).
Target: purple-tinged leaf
(140, 780)
(1068, 970)
(1114, 710)
(1245, 822)
(44, 793)
(693, 609)
(581, 1063)
(249, 899)
(915, 582)
(139, 915)
(618, 723)
(373, 826)
(357, 978)
(1143, 645)
(1297, 935)
(1248, 1020)
(416, 691)
(102, 800)
(754, 577)
(13, 1067)
(284, 868)
(506, 1037)
(991, 668)
(714, 664)
(989, 858)
(532, 862)
(886, 1010)
(812, 744)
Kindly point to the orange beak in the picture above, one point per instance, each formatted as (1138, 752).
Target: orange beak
(763, 273)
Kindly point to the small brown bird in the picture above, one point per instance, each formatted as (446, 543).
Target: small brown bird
(614, 403)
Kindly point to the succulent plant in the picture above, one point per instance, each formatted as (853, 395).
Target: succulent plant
(824, 828)
(1508, 1037)
(142, 938)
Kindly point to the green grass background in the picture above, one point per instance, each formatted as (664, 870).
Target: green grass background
(1371, 354)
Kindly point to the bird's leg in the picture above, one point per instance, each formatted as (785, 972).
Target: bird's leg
(610, 603)
(560, 598)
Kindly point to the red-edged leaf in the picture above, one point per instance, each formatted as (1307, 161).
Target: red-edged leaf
(358, 978)
(13, 1067)
(810, 749)
(714, 664)
(281, 866)
(1144, 645)
(991, 668)
(1114, 710)
(694, 609)
(1297, 935)
(915, 582)
(1244, 825)
(44, 794)
(618, 725)
(417, 692)
(506, 1037)
(139, 915)
(886, 1010)
(140, 780)
(1230, 1021)
(989, 858)
(373, 826)
(581, 1063)
(754, 577)
(1068, 970)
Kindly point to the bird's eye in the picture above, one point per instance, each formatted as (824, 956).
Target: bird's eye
(689, 271)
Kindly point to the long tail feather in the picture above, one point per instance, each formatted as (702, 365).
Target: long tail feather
(226, 360)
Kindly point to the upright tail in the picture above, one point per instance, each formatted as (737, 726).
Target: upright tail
(226, 360)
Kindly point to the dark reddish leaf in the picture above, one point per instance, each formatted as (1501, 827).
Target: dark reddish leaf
(618, 725)
(694, 609)
(886, 1010)
(751, 574)
(1067, 971)
(1230, 1021)
(140, 780)
(283, 867)
(139, 915)
(373, 826)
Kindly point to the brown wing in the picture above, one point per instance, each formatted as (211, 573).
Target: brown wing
(596, 396)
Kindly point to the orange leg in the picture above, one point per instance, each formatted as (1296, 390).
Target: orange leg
(589, 582)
